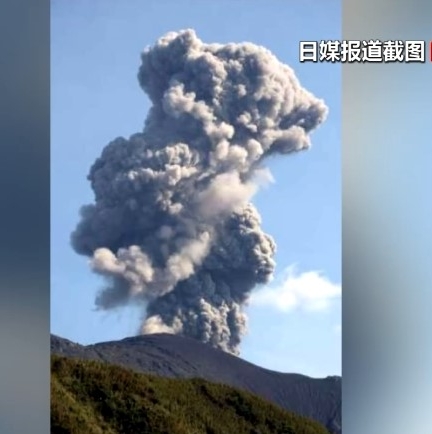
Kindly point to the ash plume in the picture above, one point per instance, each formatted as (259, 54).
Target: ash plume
(172, 225)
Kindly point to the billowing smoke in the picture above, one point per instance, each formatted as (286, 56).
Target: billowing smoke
(172, 225)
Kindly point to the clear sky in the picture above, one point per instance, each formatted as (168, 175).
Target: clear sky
(294, 325)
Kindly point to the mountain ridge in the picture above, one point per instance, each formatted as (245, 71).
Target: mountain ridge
(175, 356)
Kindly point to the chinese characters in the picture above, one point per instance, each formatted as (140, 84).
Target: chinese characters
(372, 51)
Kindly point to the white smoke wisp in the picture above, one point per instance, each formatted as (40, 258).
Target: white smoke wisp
(172, 224)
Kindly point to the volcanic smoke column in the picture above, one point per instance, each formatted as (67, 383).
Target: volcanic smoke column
(172, 225)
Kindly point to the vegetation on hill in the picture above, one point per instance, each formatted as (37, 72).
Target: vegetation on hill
(174, 356)
(90, 397)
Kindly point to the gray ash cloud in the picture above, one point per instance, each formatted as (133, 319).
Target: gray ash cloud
(172, 225)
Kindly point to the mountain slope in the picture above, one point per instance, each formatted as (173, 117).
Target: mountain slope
(92, 397)
(179, 357)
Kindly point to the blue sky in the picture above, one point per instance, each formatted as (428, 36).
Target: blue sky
(294, 324)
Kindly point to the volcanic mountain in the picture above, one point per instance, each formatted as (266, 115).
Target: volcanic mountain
(174, 356)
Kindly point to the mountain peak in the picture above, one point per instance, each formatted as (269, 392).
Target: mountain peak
(176, 356)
